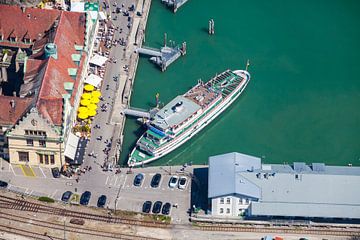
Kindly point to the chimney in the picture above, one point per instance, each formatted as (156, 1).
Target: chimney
(22, 9)
(12, 104)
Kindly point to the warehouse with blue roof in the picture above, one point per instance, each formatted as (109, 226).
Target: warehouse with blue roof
(240, 185)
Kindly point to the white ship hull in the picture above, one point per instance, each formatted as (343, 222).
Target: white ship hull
(188, 134)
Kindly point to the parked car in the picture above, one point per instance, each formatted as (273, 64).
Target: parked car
(173, 181)
(155, 180)
(138, 179)
(166, 209)
(146, 207)
(66, 196)
(182, 182)
(157, 207)
(3, 184)
(55, 172)
(101, 201)
(85, 198)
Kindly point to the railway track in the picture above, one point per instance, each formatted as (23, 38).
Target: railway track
(21, 221)
(23, 205)
(324, 232)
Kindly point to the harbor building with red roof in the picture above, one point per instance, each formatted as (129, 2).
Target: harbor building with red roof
(43, 62)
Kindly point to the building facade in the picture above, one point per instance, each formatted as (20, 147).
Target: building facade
(239, 185)
(47, 54)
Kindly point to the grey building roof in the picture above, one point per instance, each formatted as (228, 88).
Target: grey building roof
(224, 178)
(301, 190)
(175, 112)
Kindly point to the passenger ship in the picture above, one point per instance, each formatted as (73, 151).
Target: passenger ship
(187, 114)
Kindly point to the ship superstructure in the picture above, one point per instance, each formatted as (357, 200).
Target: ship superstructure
(187, 114)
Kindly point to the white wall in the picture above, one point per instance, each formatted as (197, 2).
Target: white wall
(229, 206)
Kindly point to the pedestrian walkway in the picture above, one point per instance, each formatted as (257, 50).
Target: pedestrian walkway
(27, 170)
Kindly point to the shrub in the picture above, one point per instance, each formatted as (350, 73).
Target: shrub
(46, 199)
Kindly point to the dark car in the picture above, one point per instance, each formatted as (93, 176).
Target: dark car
(55, 172)
(146, 207)
(166, 209)
(66, 196)
(155, 180)
(101, 201)
(157, 207)
(3, 184)
(138, 179)
(85, 198)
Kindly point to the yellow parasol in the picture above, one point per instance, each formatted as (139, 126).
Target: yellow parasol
(91, 112)
(94, 100)
(83, 115)
(89, 87)
(92, 106)
(82, 109)
(96, 93)
(85, 102)
(86, 96)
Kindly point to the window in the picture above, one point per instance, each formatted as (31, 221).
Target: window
(46, 159)
(42, 143)
(222, 200)
(228, 200)
(29, 142)
(228, 210)
(240, 201)
(12, 39)
(41, 159)
(221, 210)
(52, 159)
(26, 132)
(23, 156)
(27, 40)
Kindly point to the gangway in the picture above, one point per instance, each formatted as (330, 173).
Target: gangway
(138, 112)
(149, 51)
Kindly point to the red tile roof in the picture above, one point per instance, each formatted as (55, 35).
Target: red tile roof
(32, 23)
(10, 115)
(70, 31)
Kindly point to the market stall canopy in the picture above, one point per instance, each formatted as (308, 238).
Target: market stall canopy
(85, 102)
(94, 100)
(82, 109)
(91, 112)
(71, 146)
(83, 115)
(96, 94)
(98, 60)
(86, 96)
(91, 106)
(89, 87)
(93, 80)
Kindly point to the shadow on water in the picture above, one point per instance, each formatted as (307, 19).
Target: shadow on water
(199, 188)
(204, 29)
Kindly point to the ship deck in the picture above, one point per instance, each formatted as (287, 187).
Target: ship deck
(202, 95)
(225, 82)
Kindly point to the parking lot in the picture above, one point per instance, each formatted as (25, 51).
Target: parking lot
(119, 188)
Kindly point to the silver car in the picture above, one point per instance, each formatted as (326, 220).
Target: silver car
(182, 182)
(173, 181)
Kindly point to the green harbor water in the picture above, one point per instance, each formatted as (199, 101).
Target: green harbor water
(303, 101)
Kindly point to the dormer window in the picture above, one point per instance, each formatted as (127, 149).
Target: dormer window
(27, 40)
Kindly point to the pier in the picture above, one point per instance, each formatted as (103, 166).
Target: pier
(164, 56)
(174, 4)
